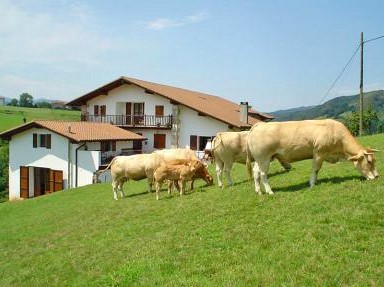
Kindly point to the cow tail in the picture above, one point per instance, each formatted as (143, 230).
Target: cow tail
(99, 172)
(215, 144)
(249, 162)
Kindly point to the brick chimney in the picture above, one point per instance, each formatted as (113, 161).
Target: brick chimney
(243, 113)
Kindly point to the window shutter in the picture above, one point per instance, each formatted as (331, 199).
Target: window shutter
(96, 110)
(113, 145)
(48, 138)
(193, 142)
(35, 140)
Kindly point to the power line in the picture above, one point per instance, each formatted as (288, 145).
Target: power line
(373, 39)
(338, 77)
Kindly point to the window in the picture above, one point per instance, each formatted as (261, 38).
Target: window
(42, 140)
(203, 142)
(108, 146)
(193, 142)
(159, 141)
(96, 110)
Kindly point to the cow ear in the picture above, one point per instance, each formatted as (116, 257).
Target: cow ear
(372, 150)
(354, 158)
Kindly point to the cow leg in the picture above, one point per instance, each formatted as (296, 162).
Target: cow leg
(264, 167)
(121, 184)
(256, 177)
(150, 183)
(158, 188)
(316, 165)
(170, 186)
(182, 186)
(219, 172)
(227, 172)
(115, 186)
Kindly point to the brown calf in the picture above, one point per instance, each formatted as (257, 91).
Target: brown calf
(180, 173)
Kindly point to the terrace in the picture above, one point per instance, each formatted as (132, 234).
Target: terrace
(140, 121)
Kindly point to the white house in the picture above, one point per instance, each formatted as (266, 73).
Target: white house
(167, 116)
(46, 156)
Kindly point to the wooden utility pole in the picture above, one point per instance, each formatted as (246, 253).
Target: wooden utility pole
(361, 131)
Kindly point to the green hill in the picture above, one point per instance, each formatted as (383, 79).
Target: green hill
(334, 108)
(330, 235)
(13, 116)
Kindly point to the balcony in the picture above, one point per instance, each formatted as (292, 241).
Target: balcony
(139, 121)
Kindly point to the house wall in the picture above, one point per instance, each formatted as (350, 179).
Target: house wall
(116, 99)
(22, 153)
(193, 124)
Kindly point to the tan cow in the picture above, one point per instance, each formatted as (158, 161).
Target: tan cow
(230, 147)
(171, 172)
(134, 167)
(320, 140)
(201, 171)
(177, 153)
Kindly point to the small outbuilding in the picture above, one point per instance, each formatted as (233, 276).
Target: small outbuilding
(47, 156)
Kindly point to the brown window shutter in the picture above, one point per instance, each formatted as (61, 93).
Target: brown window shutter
(55, 180)
(113, 145)
(159, 111)
(193, 142)
(103, 110)
(48, 141)
(24, 182)
(96, 110)
(35, 140)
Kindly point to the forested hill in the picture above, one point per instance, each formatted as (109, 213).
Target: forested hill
(335, 108)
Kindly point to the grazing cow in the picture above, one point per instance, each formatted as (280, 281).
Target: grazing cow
(201, 171)
(230, 147)
(180, 173)
(320, 140)
(135, 167)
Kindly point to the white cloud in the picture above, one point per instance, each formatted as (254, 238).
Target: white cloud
(164, 23)
(65, 35)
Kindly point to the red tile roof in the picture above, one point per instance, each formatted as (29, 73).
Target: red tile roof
(214, 106)
(77, 131)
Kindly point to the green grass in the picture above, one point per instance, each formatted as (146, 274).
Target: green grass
(330, 235)
(11, 117)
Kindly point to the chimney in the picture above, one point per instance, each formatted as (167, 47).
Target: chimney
(244, 113)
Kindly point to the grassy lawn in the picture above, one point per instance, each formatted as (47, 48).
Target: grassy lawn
(11, 117)
(330, 235)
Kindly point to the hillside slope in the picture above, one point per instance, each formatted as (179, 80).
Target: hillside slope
(11, 117)
(334, 108)
(330, 235)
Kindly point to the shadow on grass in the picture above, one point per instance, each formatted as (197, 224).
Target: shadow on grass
(303, 185)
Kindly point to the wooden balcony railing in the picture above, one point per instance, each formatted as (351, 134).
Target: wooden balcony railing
(131, 121)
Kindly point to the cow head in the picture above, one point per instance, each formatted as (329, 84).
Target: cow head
(203, 173)
(365, 163)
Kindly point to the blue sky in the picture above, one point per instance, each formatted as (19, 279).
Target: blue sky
(273, 54)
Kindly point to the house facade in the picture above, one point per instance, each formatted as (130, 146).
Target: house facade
(47, 156)
(168, 117)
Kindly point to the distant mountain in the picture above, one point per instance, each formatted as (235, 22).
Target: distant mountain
(334, 108)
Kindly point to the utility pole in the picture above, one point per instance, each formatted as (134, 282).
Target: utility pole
(361, 131)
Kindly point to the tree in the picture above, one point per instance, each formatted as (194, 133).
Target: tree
(3, 170)
(14, 102)
(26, 100)
(44, 105)
(370, 121)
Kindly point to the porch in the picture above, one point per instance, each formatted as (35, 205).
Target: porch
(141, 121)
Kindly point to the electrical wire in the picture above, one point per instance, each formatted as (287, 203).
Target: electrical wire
(338, 77)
